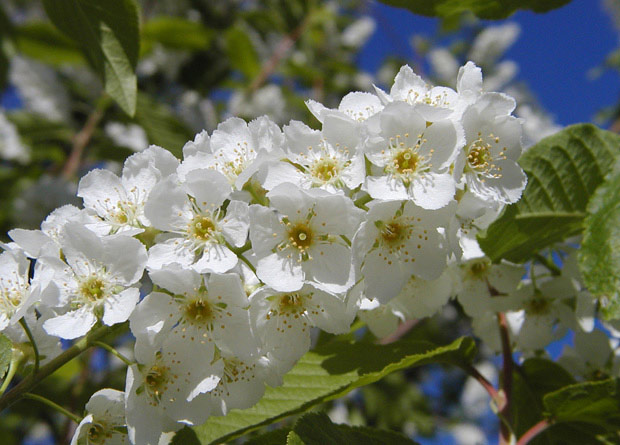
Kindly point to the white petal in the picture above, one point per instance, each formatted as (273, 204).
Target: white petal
(71, 325)
(118, 308)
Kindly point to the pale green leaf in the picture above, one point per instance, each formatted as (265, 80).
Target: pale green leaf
(241, 53)
(328, 372)
(563, 172)
(176, 33)
(107, 31)
(599, 256)
(6, 354)
(484, 9)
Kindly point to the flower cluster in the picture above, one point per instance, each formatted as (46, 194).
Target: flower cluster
(262, 233)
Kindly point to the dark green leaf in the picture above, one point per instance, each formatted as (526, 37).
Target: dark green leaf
(275, 437)
(241, 53)
(40, 40)
(107, 31)
(599, 256)
(176, 33)
(563, 171)
(161, 126)
(594, 403)
(535, 378)
(484, 9)
(186, 436)
(6, 354)
(330, 372)
(318, 429)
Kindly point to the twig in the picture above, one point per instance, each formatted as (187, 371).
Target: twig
(283, 47)
(400, 332)
(28, 332)
(508, 365)
(54, 406)
(487, 385)
(83, 137)
(533, 432)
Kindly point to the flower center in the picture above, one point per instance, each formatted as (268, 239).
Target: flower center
(199, 310)
(93, 289)
(301, 236)
(156, 381)
(202, 227)
(291, 303)
(96, 434)
(479, 269)
(393, 233)
(325, 169)
(537, 305)
(406, 161)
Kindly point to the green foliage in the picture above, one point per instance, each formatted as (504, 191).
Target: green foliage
(596, 404)
(317, 428)
(532, 380)
(241, 53)
(599, 256)
(484, 9)
(161, 126)
(328, 372)
(40, 40)
(6, 353)
(563, 172)
(175, 33)
(108, 33)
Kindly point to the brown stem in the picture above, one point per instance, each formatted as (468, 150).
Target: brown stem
(508, 365)
(82, 138)
(283, 47)
(533, 432)
(488, 386)
(400, 332)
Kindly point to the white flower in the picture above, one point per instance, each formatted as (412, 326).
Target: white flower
(489, 160)
(105, 420)
(16, 293)
(161, 389)
(119, 202)
(492, 42)
(198, 228)
(355, 106)
(199, 310)
(235, 149)
(330, 159)
(397, 240)
(414, 157)
(96, 282)
(283, 320)
(593, 353)
(303, 240)
(478, 283)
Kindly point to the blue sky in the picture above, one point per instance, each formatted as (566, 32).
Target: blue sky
(555, 52)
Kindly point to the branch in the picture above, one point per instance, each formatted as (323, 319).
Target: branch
(533, 432)
(508, 365)
(32, 380)
(83, 137)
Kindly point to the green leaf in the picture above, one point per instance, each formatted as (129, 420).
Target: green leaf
(563, 172)
(484, 9)
(176, 33)
(275, 437)
(6, 354)
(533, 379)
(186, 436)
(161, 126)
(318, 429)
(241, 53)
(594, 403)
(329, 372)
(40, 40)
(599, 256)
(107, 31)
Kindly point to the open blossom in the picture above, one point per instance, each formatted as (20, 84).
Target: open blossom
(399, 239)
(331, 159)
(302, 239)
(119, 202)
(414, 157)
(283, 320)
(97, 282)
(198, 228)
(236, 149)
(105, 420)
(211, 311)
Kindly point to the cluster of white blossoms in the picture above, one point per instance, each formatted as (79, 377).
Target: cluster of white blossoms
(262, 233)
